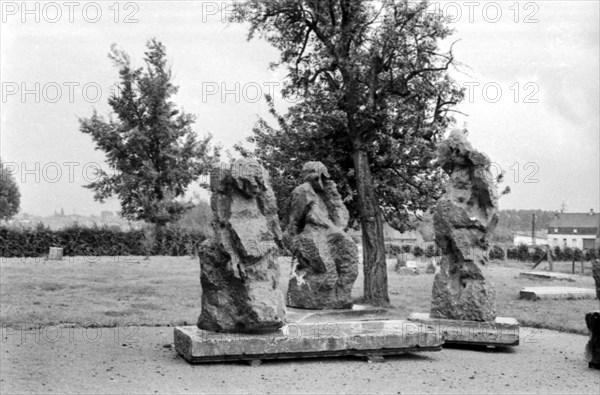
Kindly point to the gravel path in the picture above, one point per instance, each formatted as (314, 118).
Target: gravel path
(110, 360)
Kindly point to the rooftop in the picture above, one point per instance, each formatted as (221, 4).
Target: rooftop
(575, 220)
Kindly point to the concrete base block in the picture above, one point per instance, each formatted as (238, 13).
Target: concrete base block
(55, 254)
(535, 293)
(503, 331)
(371, 339)
(547, 276)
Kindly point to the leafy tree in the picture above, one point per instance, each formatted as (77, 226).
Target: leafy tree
(151, 146)
(375, 100)
(198, 218)
(10, 197)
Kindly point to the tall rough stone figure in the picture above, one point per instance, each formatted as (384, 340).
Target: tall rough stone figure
(592, 320)
(463, 219)
(327, 258)
(239, 270)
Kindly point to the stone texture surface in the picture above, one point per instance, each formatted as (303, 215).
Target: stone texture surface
(326, 258)
(535, 293)
(592, 320)
(302, 340)
(596, 274)
(239, 270)
(592, 349)
(463, 219)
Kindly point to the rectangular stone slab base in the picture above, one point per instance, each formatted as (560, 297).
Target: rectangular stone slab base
(370, 339)
(535, 293)
(547, 276)
(503, 331)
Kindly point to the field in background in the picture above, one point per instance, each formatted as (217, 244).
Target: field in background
(111, 291)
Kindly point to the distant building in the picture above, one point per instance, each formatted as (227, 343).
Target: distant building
(579, 230)
(525, 238)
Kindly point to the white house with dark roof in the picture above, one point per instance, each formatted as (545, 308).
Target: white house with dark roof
(526, 238)
(579, 230)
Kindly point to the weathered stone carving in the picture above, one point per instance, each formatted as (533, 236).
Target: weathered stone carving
(592, 320)
(326, 257)
(239, 270)
(463, 219)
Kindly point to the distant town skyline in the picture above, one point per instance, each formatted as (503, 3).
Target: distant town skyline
(530, 74)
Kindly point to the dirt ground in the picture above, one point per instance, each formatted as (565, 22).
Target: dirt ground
(141, 360)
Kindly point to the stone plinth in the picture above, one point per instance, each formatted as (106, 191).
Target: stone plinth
(503, 331)
(535, 293)
(547, 276)
(308, 340)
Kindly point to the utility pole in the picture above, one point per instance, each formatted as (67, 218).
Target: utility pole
(533, 229)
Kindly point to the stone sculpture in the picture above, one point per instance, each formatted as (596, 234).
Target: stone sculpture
(239, 270)
(464, 218)
(326, 258)
(592, 321)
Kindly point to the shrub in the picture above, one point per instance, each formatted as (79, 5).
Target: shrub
(393, 249)
(406, 248)
(557, 253)
(417, 251)
(577, 254)
(591, 254)
(567, 253)
(496, 253)
(511, 253)
(431, 250)
(523, 253)
(538, 254)
(96, 241)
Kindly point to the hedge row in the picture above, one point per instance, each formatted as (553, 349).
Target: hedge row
(527, 253)
(96, 241)
(522, 252)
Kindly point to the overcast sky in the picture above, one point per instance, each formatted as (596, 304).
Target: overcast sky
(532, 104)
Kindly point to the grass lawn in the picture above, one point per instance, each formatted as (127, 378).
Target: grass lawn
(110, 291)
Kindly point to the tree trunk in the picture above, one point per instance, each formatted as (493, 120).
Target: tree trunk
(375, 269)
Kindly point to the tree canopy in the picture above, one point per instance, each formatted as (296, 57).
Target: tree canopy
(375, 99)
(150, 145)
(10, 197)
